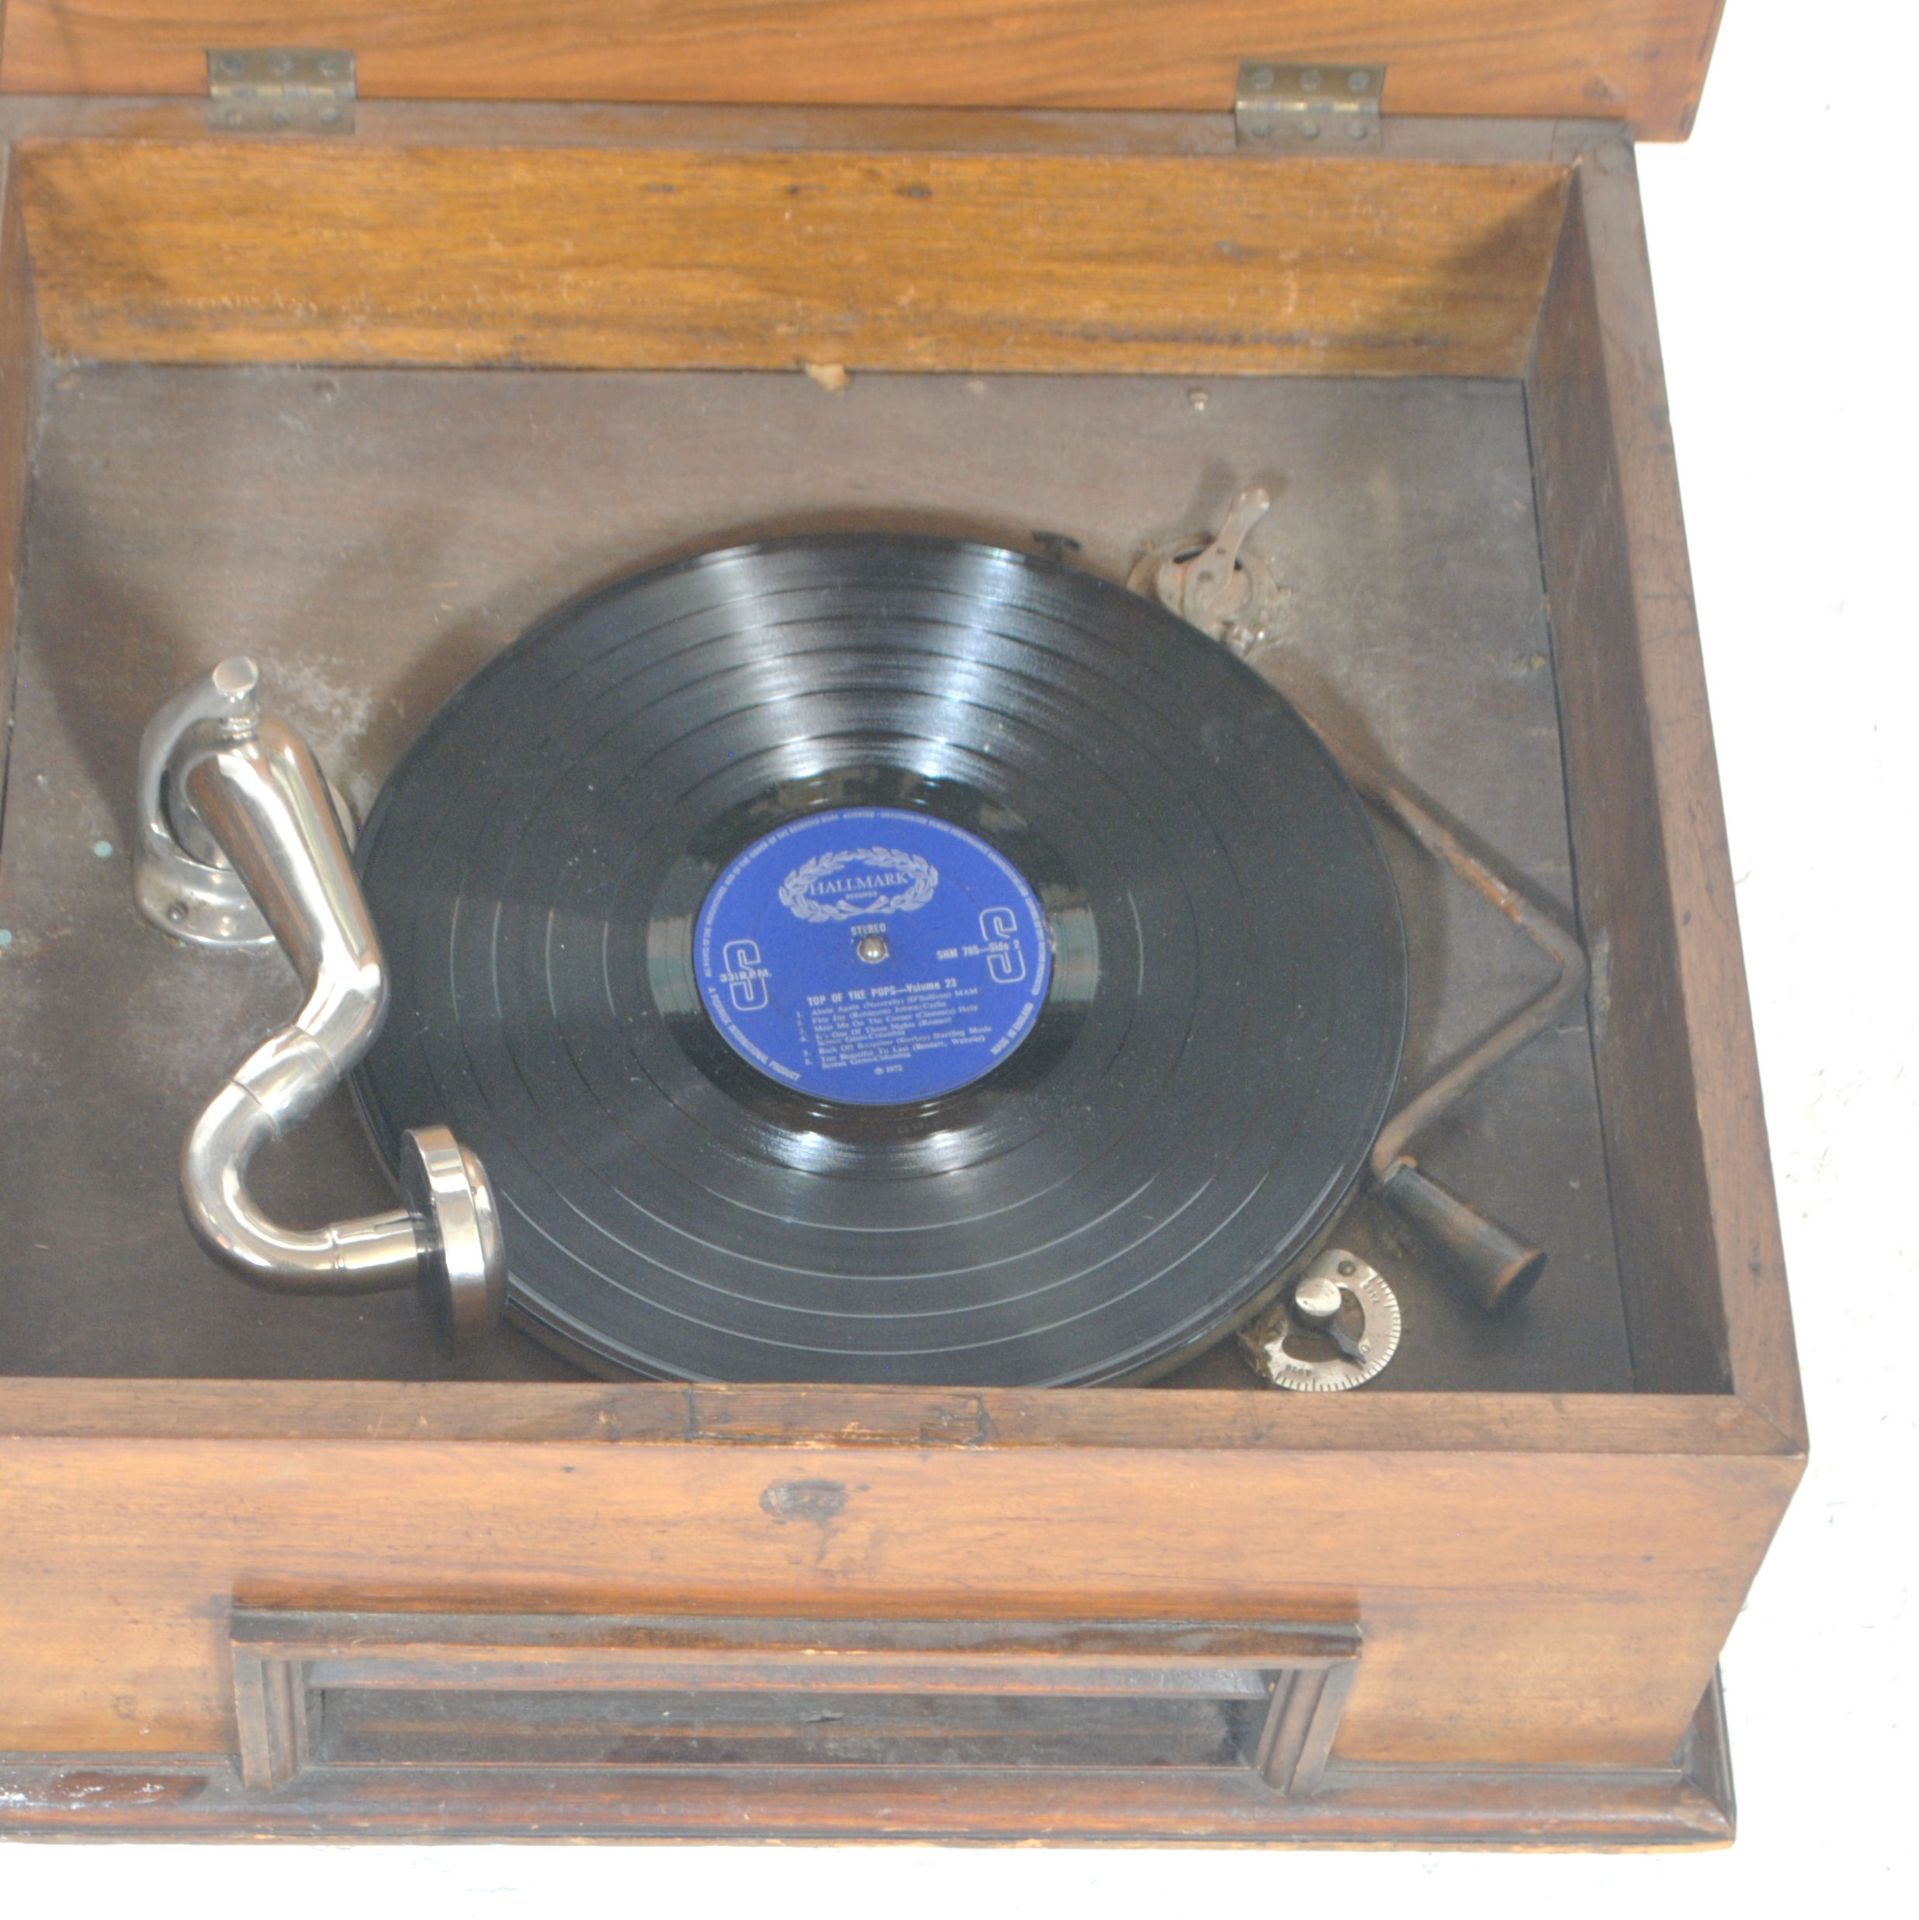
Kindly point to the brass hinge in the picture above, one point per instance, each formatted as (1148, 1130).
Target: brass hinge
(304, 90)
(1331, 106)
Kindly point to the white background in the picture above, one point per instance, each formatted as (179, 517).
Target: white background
(1782, 242)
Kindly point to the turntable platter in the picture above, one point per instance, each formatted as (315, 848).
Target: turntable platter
(884, 959)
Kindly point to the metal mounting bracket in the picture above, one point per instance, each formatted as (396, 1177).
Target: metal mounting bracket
(302, 90)
(194, 893)
(1329, 106)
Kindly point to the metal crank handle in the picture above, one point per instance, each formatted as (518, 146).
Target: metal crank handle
(241, 789)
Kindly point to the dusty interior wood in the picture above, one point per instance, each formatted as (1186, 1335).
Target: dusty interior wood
(1642, 61)
(1648, 1084)
(371, 535)
(19, 399)
(1686, 1136)
(611, 257)
(155, 546)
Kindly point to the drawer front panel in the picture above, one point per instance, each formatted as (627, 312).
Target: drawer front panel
(324, 1691)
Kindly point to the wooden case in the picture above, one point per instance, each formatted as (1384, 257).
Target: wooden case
(245, 1596)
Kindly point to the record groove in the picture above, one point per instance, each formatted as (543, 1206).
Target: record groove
(1174, 1117)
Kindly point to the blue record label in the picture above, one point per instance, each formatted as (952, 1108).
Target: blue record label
(872, 955)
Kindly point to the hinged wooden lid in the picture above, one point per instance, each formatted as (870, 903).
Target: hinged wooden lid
(1642, 61)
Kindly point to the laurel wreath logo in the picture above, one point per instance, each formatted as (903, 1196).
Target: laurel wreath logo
(796, 889)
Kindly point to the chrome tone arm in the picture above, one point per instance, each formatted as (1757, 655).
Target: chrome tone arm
(241, 788)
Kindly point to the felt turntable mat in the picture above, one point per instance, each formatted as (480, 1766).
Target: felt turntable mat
(374, 537)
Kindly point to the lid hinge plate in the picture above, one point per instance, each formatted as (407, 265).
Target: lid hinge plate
(1328, 106)
(298, 90)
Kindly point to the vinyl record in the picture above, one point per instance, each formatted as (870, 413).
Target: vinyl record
(884, 959)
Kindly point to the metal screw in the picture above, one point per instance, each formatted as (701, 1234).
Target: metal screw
(237, 681)
(1309, 81)
(231, 63)
(1348, 1268)
(1358, 129)
(1198, 399)
(1358, 80)
(329, 116)
(329, 68)
(1317, 1300)
(236, 677)
(177, 913)
(1309, 129)
(281, 64)
(281, 117)
(1261, 129)
(872, 948)
(1261, 79)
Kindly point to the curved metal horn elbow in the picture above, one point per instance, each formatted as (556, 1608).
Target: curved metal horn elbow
(243, 788)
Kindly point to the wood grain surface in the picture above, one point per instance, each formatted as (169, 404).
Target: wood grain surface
(1685, 1803)
(458, 256)
(319, 1690)
(1698, 1222)
(650, 1414)
(1562, 1609)
(1642, 61)
(640, 1413)
(1540, 1582)
(796, 129)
